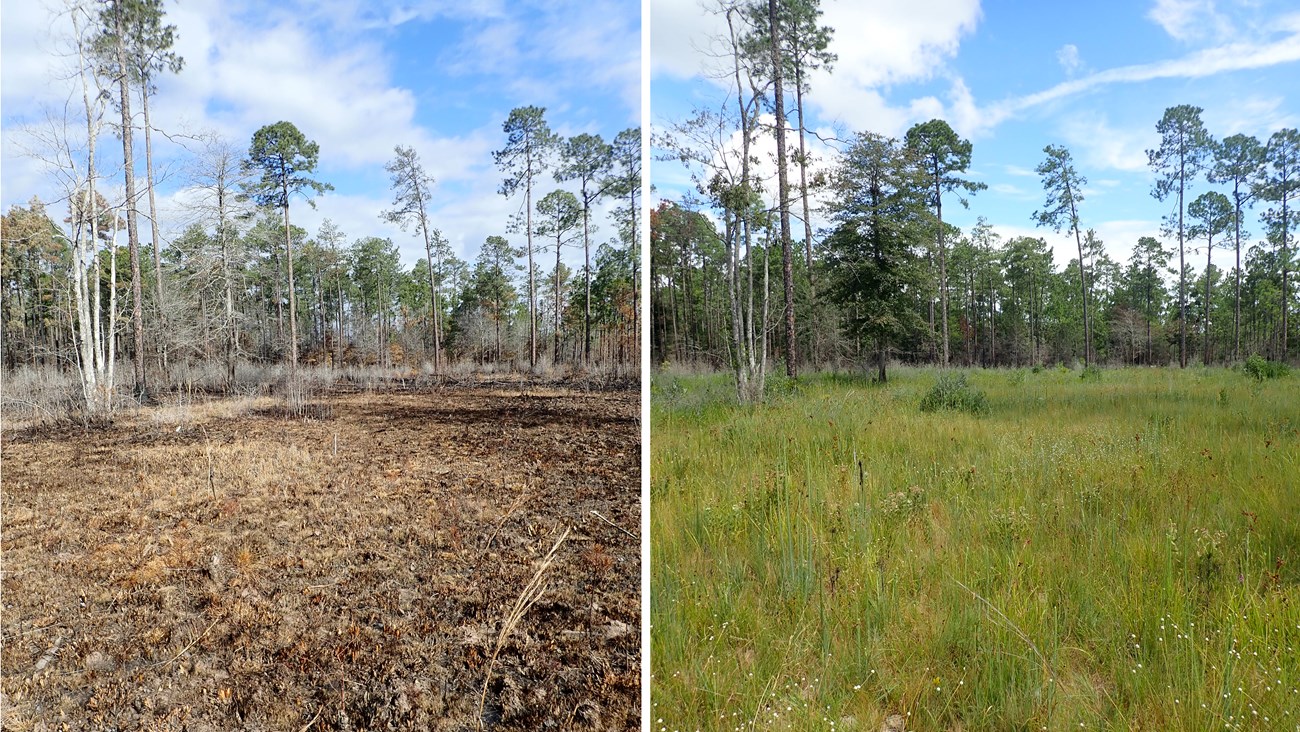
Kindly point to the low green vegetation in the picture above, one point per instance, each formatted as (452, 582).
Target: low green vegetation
(953, 392)
(1260, 368)
(1108, 553)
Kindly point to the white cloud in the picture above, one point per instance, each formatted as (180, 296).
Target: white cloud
(1099, 146)
(1007, 190)
(603, 50)
(680, 33)
(1207, 62)
(1118, 236)
(1068, 57)
(879, 43)
(888, 42)
(1189, 20)
(1252, 115)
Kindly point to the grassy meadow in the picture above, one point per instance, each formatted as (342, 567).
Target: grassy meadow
(1116, 553)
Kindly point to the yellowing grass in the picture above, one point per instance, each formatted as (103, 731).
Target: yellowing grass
(1122, 554)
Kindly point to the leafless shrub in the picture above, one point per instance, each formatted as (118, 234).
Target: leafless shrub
(40, 394)
(302, 392)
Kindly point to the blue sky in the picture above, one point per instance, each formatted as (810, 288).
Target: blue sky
(1015, 76)
(358, 77)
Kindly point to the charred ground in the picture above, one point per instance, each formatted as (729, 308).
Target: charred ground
(343, 565)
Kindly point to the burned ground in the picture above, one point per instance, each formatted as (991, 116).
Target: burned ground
(238, 565)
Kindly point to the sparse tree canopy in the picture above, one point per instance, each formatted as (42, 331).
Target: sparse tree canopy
(1064, 187)
(284, 157)
(529, 149)
(1184, 150)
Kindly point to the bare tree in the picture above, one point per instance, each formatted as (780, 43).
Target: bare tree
(725, 176)
(74, 166)
(219, 176)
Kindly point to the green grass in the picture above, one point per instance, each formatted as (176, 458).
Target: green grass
(1116, 553)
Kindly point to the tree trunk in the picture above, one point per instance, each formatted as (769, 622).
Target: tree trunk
(1209, 248)
(556, 356)
(1285, 299)
(807, 218)
(153, 224)
(532, 287)
(232, 332)
(293, 302)
(1083, 283)
(1150, 354)
(132, 230)
(338, 342)
(783, 185)
(433, 288)
(943, 266)
(993, 327)
(586, 252)
(1182, 275)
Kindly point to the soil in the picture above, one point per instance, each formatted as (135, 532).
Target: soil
(345, 565)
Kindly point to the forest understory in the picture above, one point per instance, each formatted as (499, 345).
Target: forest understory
(350, 563)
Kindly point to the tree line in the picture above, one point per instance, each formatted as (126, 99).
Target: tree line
(241, 283)
(889, 278)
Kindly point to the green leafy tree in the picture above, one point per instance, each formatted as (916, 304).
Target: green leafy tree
(492, 283)
(559, 215)
(1184, 149)
(941, 154)
(625, 184)
(804, 48)
(1281, 184)
(1064, 187)
(614, 306)
(587, 159)
(1027, 262)
(529, 148)
(879, 209)
(1238, 161)
(331, 238)
(34, 255)
(1150, 258)
(377, 272)
(285, 158)
(1212, 215)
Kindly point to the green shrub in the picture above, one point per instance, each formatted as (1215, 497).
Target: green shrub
(780, 385)
(1260, 368)
(1090, 373)
(952, 392)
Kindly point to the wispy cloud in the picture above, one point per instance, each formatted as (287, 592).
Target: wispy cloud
(1099, 145)
(1207, 62)
(1068, 57)
(1187, 20)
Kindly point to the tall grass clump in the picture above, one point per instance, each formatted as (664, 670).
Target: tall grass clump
(952, 392)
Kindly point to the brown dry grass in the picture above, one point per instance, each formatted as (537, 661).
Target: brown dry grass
(223, 565)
